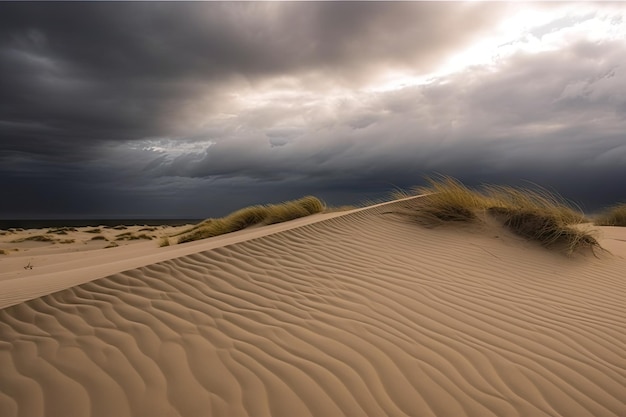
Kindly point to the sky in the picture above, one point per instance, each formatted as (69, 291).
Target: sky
(192, 110)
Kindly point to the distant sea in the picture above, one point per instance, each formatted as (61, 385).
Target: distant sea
(43, 224)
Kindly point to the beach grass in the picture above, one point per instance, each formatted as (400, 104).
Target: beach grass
(253, 215)
(613, 216)
(35, 238)
(537, 215)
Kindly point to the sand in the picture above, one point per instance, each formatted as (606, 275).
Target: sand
(345, 314)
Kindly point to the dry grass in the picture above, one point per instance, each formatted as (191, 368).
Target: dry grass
(62, 230)
(165, 241)
(3, 252)
(253, 215)
(35, 238)
(99, 237)
(131, 236)
(449, 200)
(96, 230)
(613, 216)
(537, 215)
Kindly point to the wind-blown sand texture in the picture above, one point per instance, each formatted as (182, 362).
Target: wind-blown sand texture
(358, 314)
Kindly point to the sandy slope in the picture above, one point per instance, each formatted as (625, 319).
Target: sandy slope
(364, 314)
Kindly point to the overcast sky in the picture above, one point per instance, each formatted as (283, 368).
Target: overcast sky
(195, 109)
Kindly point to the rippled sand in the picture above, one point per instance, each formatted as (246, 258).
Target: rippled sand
(362, 314)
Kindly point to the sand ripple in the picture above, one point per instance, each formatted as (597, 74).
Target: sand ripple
(360, 315)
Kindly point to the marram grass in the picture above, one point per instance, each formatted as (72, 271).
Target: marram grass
(537, 215)
(249, 216)
(613, 216)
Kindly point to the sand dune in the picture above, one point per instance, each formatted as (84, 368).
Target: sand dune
(360, 314)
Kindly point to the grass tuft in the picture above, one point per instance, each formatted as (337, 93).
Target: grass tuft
(62, 230)
(537, 215)
(165, 241)
(253, 215)
(36, 238)
(131, 236)
(448, 200)
(613, 216)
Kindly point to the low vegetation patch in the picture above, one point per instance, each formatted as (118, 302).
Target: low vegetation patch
(537, 215)
(66, 241)
(165, 241)
(96, 230)
(249, 216)
(613, 216)
(99, 237)
(61, 230)
(131, 236)
(35, 238)
(3, 252)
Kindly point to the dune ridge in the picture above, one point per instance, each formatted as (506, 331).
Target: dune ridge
(360, 314)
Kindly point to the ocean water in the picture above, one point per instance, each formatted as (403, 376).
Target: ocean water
(47, 223)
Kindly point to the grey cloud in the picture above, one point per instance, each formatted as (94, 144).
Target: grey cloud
(511, 121)
(92, 91)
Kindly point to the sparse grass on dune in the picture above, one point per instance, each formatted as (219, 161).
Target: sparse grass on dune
(253, 215)
(613, 216)
(448, 200)
(534, 214)
(131, 236)
(36, 238)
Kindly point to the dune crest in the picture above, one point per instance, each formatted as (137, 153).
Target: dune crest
(359, 314)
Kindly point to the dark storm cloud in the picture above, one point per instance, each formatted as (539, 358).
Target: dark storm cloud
(554, 118)
(161, 108)
(74, 74)
(552, 108)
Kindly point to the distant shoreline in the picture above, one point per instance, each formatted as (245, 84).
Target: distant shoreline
(45, 223)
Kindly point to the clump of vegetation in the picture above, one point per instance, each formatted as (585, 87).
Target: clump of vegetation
(96, 230)
(165, 241)
(613, 216)
(448, 200)
(3, 252)
(35, 238)
(99, 237)
(534, 214)
(61, 230)
(147, 229)
(66, 241)
(131, 236)
(249, 216)
(111, 245)
(120, 227)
